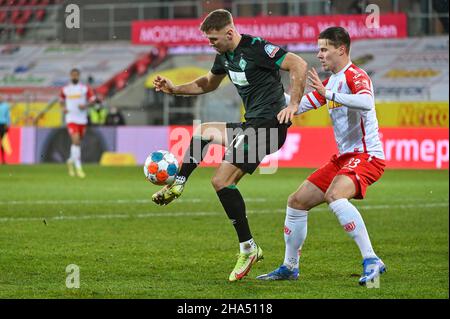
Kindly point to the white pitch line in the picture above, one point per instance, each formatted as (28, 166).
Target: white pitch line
(207, 213)
(109, 201)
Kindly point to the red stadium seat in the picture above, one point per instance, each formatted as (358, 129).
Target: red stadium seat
(102, 90)
(21, 3)
(120, 80)
(142, 64)
(44, 2)
(26, 16)
(33, 2)
(11, 3)
(20, 29)
(40, 14)
(3, 16)
(15, 16)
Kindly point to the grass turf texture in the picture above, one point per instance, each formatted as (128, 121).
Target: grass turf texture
(127, 247)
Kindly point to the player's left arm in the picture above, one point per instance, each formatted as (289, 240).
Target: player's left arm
(297, 68)
(91, 99)
(360, 99)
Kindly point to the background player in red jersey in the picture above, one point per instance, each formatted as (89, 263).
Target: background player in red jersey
(75, 99)
(348, 93)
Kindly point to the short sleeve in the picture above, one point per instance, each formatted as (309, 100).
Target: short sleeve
(315, 98)
(358, 81)
(62, 96)
(218, 67)
(267, 55)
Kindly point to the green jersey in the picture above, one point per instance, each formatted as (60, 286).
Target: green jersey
(254, 68)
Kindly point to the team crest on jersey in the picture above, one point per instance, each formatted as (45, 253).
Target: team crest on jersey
(271, 50)
(242, 64)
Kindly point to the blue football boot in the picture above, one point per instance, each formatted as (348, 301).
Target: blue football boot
(281, 273)
(372, 268)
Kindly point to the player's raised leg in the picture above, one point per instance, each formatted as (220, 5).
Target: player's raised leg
(337, 196)
(224, 182)
(300, 202)
(204, 134)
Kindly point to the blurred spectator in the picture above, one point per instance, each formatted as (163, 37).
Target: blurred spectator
(91, 80)
(5, 121)
(97, 114)
(115, 117)
(441, 7)
(356, 7)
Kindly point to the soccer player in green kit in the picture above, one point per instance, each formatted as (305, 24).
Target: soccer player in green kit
(253, 65)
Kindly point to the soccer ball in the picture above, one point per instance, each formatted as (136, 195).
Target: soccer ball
(161, 168)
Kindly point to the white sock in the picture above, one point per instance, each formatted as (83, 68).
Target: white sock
(247, 246)
(72, 157)
(75, 155)
(295, 229)
(350, 218)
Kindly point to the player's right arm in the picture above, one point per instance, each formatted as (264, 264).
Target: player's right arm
(201, 85)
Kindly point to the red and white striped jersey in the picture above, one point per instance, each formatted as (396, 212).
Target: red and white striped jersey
(350, 100)
(74, 95)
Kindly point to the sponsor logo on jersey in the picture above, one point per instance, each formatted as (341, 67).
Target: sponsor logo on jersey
(74, 96)
(271, 50)
(238, 78)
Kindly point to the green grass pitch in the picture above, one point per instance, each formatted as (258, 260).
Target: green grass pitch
(127, 247)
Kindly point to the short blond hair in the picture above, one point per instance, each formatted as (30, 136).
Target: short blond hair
(216, 20)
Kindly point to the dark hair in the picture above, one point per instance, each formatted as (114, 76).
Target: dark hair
(75, 70)
(216, 20)
(337, 36)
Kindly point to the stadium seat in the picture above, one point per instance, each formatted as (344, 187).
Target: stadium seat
(142, 64)
(26, 16)
(120, 80)
(15, 16)
(20, 29)
(22, 3)
(102, 90)
(40, 14)
(3, 16)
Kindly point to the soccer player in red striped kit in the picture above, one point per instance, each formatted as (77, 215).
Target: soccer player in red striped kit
(348, 94)
(75, 99)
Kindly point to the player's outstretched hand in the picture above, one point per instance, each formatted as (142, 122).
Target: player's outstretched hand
(163, 84)
(287, 114)
(315, 82)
